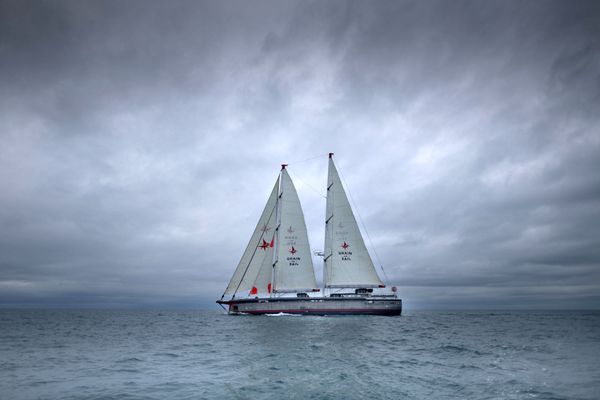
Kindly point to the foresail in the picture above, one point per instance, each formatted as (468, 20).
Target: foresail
(347, 261)
(294, 268)
(259, 248)
(262, 283)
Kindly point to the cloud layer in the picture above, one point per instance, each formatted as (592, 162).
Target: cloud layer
(140, 140)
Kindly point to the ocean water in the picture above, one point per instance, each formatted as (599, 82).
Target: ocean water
(207, 355)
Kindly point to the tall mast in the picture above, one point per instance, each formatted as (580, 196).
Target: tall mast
(277, 226)
(328, 228)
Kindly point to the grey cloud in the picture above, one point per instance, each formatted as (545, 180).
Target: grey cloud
(141, 139)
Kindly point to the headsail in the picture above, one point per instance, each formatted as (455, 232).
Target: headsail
(263, 282)
(347, 261)
(258, 250)
(294, 270)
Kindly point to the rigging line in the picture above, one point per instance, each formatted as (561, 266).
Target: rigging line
(308, 159)
(364, 226)
(296, 177)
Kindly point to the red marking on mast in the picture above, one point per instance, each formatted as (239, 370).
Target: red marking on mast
(269, 287)
(254, 290)
(272, 242)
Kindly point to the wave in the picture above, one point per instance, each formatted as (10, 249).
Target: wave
(282, 314)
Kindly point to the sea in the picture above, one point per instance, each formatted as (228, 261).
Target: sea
(152, 354)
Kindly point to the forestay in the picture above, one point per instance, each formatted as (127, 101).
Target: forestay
(347, 261)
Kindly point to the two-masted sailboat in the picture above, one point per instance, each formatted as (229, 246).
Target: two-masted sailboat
(276, 274)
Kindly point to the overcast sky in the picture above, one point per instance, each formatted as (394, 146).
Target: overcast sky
(139, 141)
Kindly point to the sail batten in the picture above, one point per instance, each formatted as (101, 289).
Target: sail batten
(347, 262)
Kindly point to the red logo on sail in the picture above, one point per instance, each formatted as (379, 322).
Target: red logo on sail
(290, 230)
(265, 245)
(293, 250)
(345, 246)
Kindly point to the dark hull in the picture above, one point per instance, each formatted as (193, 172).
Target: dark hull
(316, 306)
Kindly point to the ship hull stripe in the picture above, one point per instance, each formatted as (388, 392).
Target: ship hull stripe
(327, 311)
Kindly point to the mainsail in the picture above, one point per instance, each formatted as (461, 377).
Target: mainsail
(294, 270)
(347, 261)
(258, 252)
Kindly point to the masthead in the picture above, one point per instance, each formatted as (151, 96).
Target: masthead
(330, 155)
(283, 166)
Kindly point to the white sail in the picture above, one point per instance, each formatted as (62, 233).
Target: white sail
(263, 282)
(347, 261)
(294, 270)
(257, 251)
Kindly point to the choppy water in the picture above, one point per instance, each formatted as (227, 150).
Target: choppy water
(206, 355)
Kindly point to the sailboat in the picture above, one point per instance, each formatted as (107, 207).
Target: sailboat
(276, 275)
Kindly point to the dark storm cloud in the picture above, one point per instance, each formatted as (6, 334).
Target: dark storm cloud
(141, 139)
